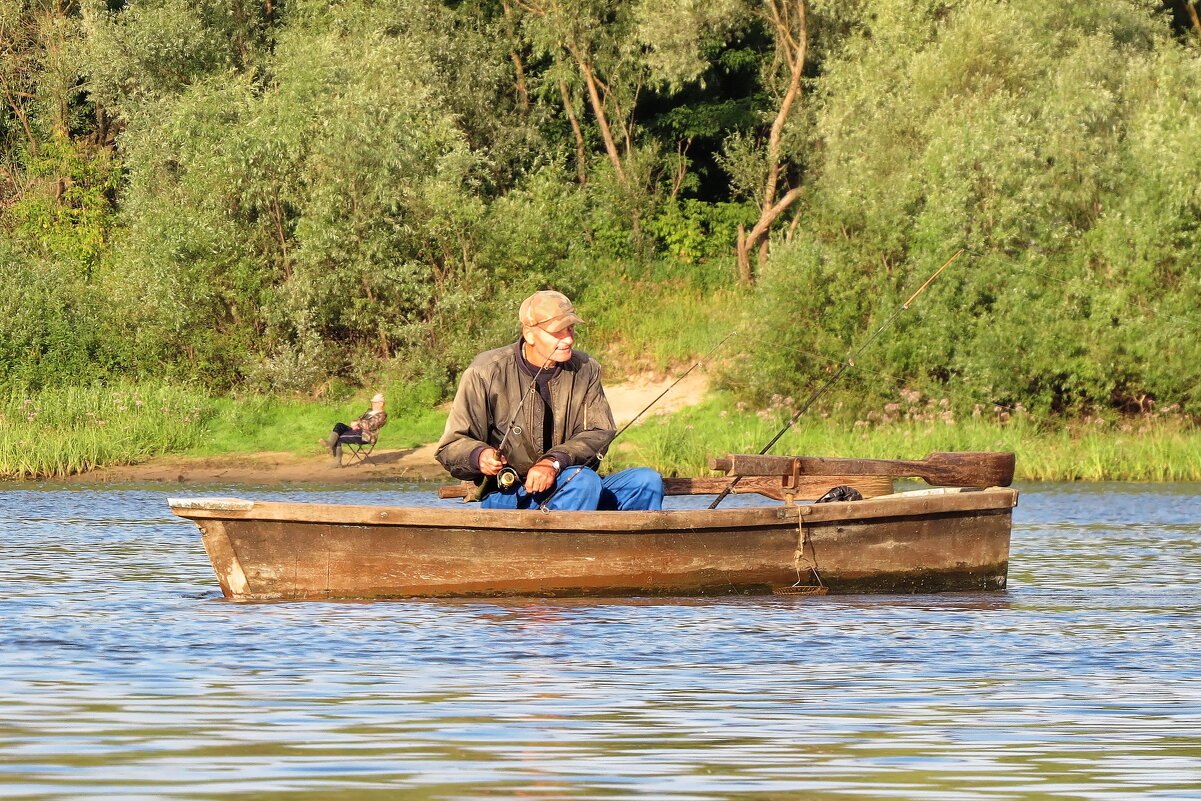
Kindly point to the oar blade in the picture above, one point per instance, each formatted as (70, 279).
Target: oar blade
(970, 468)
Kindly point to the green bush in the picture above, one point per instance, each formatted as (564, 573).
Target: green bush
(941, 132)
(282, 200)
(51, 323)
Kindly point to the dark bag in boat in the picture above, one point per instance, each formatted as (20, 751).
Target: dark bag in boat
(842, 492)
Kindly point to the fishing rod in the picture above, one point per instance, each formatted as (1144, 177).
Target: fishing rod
(507, 476)
(702, 360)
(848, 362)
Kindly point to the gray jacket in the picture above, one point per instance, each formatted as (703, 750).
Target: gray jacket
(491, 389)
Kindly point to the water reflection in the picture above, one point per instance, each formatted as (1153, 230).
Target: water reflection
(124, 674)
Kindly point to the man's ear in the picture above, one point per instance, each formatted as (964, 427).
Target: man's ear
(528, 335)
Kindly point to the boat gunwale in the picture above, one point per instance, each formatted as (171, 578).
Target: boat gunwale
(922, 503)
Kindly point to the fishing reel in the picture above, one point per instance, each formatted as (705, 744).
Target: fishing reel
(506, 478)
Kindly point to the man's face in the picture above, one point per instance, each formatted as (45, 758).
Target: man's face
(549, 346)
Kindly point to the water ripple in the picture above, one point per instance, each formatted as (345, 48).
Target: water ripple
(124, 674)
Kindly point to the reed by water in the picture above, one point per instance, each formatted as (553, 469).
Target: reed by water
(65, 431)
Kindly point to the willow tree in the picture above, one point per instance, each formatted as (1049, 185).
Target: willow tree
(788, 22)
(55, 143)
(314, 202)
(1049, 139)
(589, 36)
(600, 59)
(19, 69)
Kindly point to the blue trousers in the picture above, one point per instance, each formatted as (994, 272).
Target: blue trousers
(635, 488)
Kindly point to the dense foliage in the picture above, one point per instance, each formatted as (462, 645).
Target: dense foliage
(1053, 143)
(295, 197)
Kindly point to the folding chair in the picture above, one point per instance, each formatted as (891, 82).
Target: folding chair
(353, 451)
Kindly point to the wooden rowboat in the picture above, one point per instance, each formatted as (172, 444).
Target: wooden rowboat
(931, 540)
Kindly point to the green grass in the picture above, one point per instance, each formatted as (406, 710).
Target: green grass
(65, 431)
(62, 431)
(1149, 448)
(293, 426)
(657, 322)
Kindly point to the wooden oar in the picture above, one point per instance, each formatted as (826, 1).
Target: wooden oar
(960, 469)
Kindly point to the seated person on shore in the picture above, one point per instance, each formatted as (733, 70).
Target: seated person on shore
(555, 437)
(364, 430)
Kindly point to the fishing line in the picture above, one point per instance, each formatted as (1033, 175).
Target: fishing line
(683, 375)
(848, 362)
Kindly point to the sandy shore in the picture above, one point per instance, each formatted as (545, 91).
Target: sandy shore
(414, 464)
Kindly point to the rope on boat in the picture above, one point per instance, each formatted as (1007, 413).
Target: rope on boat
(798, 556)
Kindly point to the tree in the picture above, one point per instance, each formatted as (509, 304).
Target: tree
(1014, 130)
(788, 22)
(603, 57)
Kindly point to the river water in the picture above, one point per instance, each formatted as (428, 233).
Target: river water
(124, 674)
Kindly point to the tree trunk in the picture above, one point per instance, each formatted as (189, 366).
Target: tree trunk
(277, 216)
(681, 171)
(581, 154)
(758, 235)
(792, 42)
(1192, 12)
(20, 114)
(523, 95)
(744, 257)
(598, 109)
(787, 18)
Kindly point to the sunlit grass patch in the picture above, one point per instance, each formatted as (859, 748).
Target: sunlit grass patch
(258, 424)
(628, 316)
(64, 431)
(1146, 448)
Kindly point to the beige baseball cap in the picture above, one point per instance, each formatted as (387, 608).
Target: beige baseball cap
(378, 398)
(549, 310)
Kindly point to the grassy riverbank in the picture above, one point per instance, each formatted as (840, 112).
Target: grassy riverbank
(1149, 448)
(63, 432)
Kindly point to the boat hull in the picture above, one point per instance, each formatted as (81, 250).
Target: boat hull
(935, 541)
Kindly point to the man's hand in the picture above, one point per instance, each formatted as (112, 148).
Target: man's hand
(491, 461)
(541, 477)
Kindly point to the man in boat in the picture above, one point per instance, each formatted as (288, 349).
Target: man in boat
(530, 422)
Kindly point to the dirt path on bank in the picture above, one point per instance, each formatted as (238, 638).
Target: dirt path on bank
(414, 464)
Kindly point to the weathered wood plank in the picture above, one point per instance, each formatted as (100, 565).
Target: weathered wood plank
(926, 541)
(806, 488)
(959, 469)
